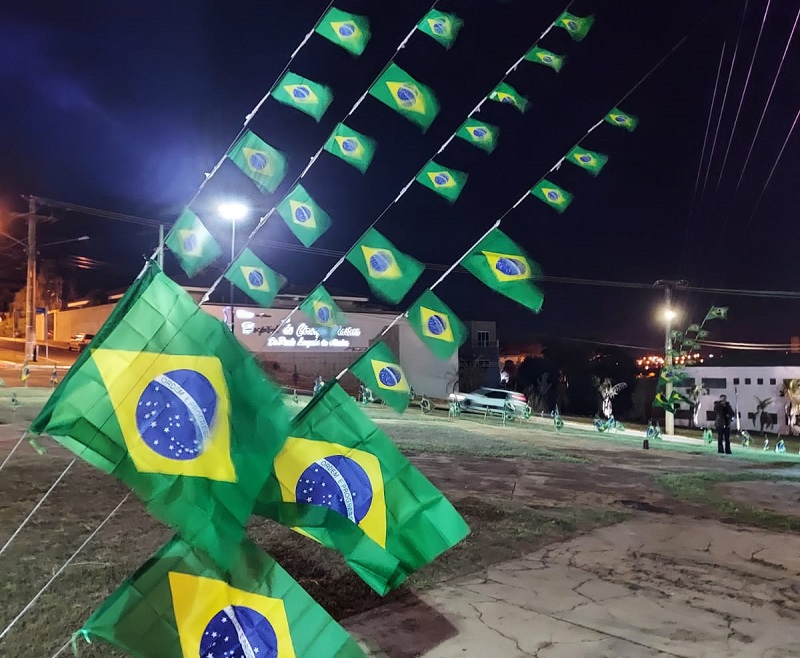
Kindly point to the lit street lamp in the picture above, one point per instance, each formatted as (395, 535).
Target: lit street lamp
(233, 211)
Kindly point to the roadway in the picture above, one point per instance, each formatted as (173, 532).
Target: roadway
(13, 349)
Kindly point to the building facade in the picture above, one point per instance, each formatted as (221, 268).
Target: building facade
(480, 354)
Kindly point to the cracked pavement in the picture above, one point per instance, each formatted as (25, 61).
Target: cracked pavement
(648, 587)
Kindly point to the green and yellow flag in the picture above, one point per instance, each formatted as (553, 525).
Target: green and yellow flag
(168, 401)
(448, 183)
(348, 31)
(436, 325)
(322, 310)
(309, 97)
(443, 28)
(502, 265)
(621, 119)
(479, 133)
(716, 313)
(590, 161)
(192, 244)
(342, 481)
(181, 604)
(545, 57)
(390, 273)
(553, 195)
(259, 161)
(307, 220)
(504, 93)
(401, 92)
(380, 371)
(353, 147)
(577, 26)
(254, 278)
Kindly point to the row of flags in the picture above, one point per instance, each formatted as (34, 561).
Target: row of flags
(169, 402)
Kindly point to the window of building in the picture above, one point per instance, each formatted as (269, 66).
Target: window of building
(773, 381)
(483, 339)
(714, 382)
(748, 380)
(759, 381)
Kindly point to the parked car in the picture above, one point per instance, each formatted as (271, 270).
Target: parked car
(492, 400)
(79, 342)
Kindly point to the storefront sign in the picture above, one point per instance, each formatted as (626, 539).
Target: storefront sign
(304, 336)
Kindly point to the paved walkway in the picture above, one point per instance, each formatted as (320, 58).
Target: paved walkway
(641, 589)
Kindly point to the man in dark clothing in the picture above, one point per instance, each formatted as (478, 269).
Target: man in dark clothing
(724, 416)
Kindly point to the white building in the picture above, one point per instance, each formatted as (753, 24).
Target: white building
(296, 355)
(744, 380)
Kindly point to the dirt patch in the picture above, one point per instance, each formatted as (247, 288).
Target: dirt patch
(778, 496)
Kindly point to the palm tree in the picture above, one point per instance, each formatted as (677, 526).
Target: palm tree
(608, 391)
(790, 391)
(537, 395)
(761, 414)
(695, 394)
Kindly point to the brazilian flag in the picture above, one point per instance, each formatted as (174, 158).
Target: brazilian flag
(254, 278)
(390, 273)
(436, 325)
(479, 133)
(577, 26)
(442, 27)
(169, 402)
(349, 31)
(621, 119)
(192, 244)
(340, 480)
(380, 371)
(590, 161)
(351, 146)
(553, 195)
(506, 94)
(401, 92)
(181, 604)
(309, 97)
(716, 313)
(259, 161)
(545, 57)
(322, 310)
(448, 183)
(307, 220)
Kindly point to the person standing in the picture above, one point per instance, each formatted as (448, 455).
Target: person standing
(724, 415)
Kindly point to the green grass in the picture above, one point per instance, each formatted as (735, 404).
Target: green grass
(700, 488)
(29, 402)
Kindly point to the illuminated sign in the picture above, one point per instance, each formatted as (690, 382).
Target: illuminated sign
(304, 336)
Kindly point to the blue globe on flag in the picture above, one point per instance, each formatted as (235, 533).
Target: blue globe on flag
(585, 157)
(190, 243)
(511, 266)
(324, 314)
(436, 325)
(619, 119)
(301, 93)
(509, 100)
(390, 376)
(303, 214)
(175, 412)
(442, 179)
(571, 25)
(547, 59)
(406, 95)
(339, 483)
(552, 195)
(479, 133)
(256, 279)
(349, 145)
(439, 26)
(380, 261)
(238, 631)
(346, 30)
(257, 161)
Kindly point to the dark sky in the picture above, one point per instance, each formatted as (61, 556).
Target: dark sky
(123, 107)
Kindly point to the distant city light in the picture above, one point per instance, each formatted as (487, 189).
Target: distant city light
(232, 210)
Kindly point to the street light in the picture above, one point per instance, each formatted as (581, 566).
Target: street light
(669, 315)
(233, 211)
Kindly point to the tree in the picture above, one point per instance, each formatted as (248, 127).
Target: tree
(762, 415)
(470, 374)
(608, 391)
(695, 394)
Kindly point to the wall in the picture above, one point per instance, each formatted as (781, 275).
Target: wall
(66, 324)
(743, 396)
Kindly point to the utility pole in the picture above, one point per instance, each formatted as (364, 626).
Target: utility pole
(668, 315)
(30, 288)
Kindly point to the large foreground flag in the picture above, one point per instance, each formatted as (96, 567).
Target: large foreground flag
(169, 402)
(309, 97)
(400, 91)
(181, 604)
(342, 481)
(307, 220)
(254, 278)
(353, 147)
(349, 31)
(192, 244)
(259, 161)
(380, 371)
(502, 265)
(389, 272)
(436, 325)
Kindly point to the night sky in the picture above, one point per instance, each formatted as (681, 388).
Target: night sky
(123, 107)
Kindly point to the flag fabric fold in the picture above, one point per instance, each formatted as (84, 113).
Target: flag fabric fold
(254, 278)
(168, 401)
(590, 161)
(442, 27)
(305, 218)
(343, 482)
(259, 161)
(553, 195)
(348, 31)
(353, 147)
(410, 98)
(577, 26)
(545, 57)
(181, 604)
(502, 265)
(448, 183)
(309, 97)
(436, 325)
(390, 273)
(192, 244)
(479, 133)
(505, 94)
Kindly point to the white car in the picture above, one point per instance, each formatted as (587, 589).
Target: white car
(79, 341)
(492, 400)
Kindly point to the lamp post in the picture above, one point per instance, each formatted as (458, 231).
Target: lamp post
(233, 211)
(668, 315)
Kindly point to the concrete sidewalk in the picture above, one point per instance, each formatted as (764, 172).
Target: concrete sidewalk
(650, 587)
